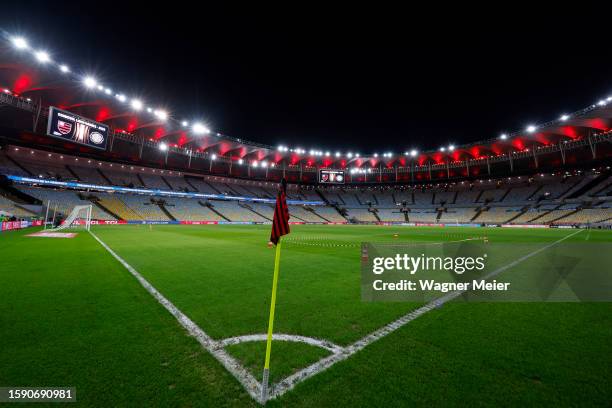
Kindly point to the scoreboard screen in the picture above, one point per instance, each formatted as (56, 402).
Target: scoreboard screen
(77, 129)
(331, 176)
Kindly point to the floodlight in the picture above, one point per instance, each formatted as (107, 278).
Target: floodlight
(162, 115)
(200, 129)
(90, 82)
(136, 104)
(20, 43)
(42, 56)
(531, 128)
(64, 68)
(163, 146)
(564, 117)
(503, 136)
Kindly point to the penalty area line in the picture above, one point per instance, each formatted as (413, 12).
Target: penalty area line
(250, 384)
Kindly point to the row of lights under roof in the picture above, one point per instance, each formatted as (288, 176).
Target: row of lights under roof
(350, 155)
(254, 163)
(92, 83)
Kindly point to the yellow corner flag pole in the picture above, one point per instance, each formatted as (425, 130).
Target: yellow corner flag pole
(266, 371)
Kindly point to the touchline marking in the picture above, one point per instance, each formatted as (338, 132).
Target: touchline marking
(250, 384)
(339, 353)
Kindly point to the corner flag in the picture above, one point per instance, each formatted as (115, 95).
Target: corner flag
(280, 227)
(280, 223)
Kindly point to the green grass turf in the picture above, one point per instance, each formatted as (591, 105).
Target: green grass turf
(87, 309)
(70, 315)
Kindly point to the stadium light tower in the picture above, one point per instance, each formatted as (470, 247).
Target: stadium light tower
(20, 43)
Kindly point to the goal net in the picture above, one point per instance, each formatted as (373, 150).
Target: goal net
(79, 217)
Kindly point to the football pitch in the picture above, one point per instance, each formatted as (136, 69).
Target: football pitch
(71, 314)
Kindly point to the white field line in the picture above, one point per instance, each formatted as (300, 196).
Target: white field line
(326, 344)
(288, 383)
(250, 384)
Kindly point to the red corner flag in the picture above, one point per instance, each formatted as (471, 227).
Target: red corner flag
(280, 223)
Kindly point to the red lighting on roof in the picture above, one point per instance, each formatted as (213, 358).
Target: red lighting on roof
(132, 124)
(103, 114)
(22, 83)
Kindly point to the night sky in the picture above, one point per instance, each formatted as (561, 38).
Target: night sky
(366, 81)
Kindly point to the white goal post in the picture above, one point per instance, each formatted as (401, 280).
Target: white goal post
(79, 217)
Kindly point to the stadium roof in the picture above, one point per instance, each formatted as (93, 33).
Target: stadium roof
(32, 74)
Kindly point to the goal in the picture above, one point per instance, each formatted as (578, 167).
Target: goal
(79, 217)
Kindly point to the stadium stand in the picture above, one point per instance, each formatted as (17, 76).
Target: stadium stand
(559, 199)
(123, 178)
(8, 207)
(63, 200)
(190, 209)
(330, 214)
(457, 215)
(497, 215)
(361, 215)
(154, 182)
(301, 213)
(391, 215)
(233, 211)
(428, 216)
